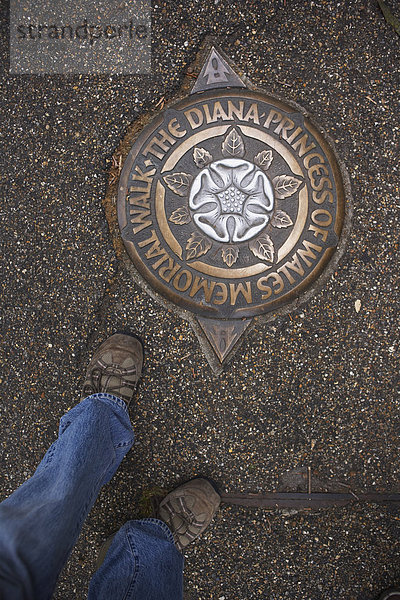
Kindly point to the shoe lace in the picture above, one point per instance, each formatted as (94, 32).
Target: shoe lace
(188, 518)
(100, 380)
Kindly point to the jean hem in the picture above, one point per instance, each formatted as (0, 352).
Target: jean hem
(161, 524)
(104, 396)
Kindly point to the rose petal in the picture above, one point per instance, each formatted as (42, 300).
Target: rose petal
(212, 223)
(202, 198)
(221, 175)
(242, 175)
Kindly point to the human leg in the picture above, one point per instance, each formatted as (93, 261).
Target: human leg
(143, 561)
(41, 520)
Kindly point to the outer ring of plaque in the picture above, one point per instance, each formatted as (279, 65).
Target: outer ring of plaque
(314, 280)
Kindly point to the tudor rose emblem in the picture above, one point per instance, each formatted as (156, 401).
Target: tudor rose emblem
(231, 204)
(232, 200)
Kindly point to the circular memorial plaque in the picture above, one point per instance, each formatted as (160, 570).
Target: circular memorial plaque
(231, 203)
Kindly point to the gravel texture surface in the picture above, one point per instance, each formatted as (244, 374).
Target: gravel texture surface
(318, 388)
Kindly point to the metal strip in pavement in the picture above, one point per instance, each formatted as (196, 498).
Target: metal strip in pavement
(304, 500)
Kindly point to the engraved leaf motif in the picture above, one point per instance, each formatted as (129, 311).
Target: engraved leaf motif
(281, 220)
(233, 145)
(201, 157)
(178, 183)
(285, 185)
(181, 216)
(264, 159)
(197, 245)
(230, 255)
(263, 247)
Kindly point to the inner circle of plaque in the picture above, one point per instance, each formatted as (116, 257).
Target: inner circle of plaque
(238, 210)
(231, 200)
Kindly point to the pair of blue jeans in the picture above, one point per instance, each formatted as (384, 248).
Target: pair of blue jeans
(41, 521)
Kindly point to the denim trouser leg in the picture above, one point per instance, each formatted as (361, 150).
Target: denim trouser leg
(40, 522)
(142, 563)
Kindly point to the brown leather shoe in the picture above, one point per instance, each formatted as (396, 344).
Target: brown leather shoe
(189, 509)
(391, 594)
(115, 368)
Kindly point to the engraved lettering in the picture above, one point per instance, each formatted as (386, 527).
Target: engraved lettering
(202, 284)
(294, 265)
(160, 261)
(221, 295)
(162, 142)
(142, 201)
(240, 289)
(308, 158)
(195, 117)
(308, 253)
(318, 231)
(261, 284)
(319, 221)
(318, 170)
(187, 280)
(277, 282)
(141, 219)
(153, 238)
(301, 144)
(146, 177)
(169, 270)
(175, 129)
(219, 113)
(235, 111)
(283, 127)
(207, 113)
(144, 191)
(325, 195)
(155, 249)
(273, 117)
(252, 114)
(294, 135)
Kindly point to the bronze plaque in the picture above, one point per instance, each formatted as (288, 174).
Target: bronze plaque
(231, 204)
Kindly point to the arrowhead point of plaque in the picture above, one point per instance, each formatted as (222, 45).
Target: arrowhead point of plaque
(223, 335)
(216, 73)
